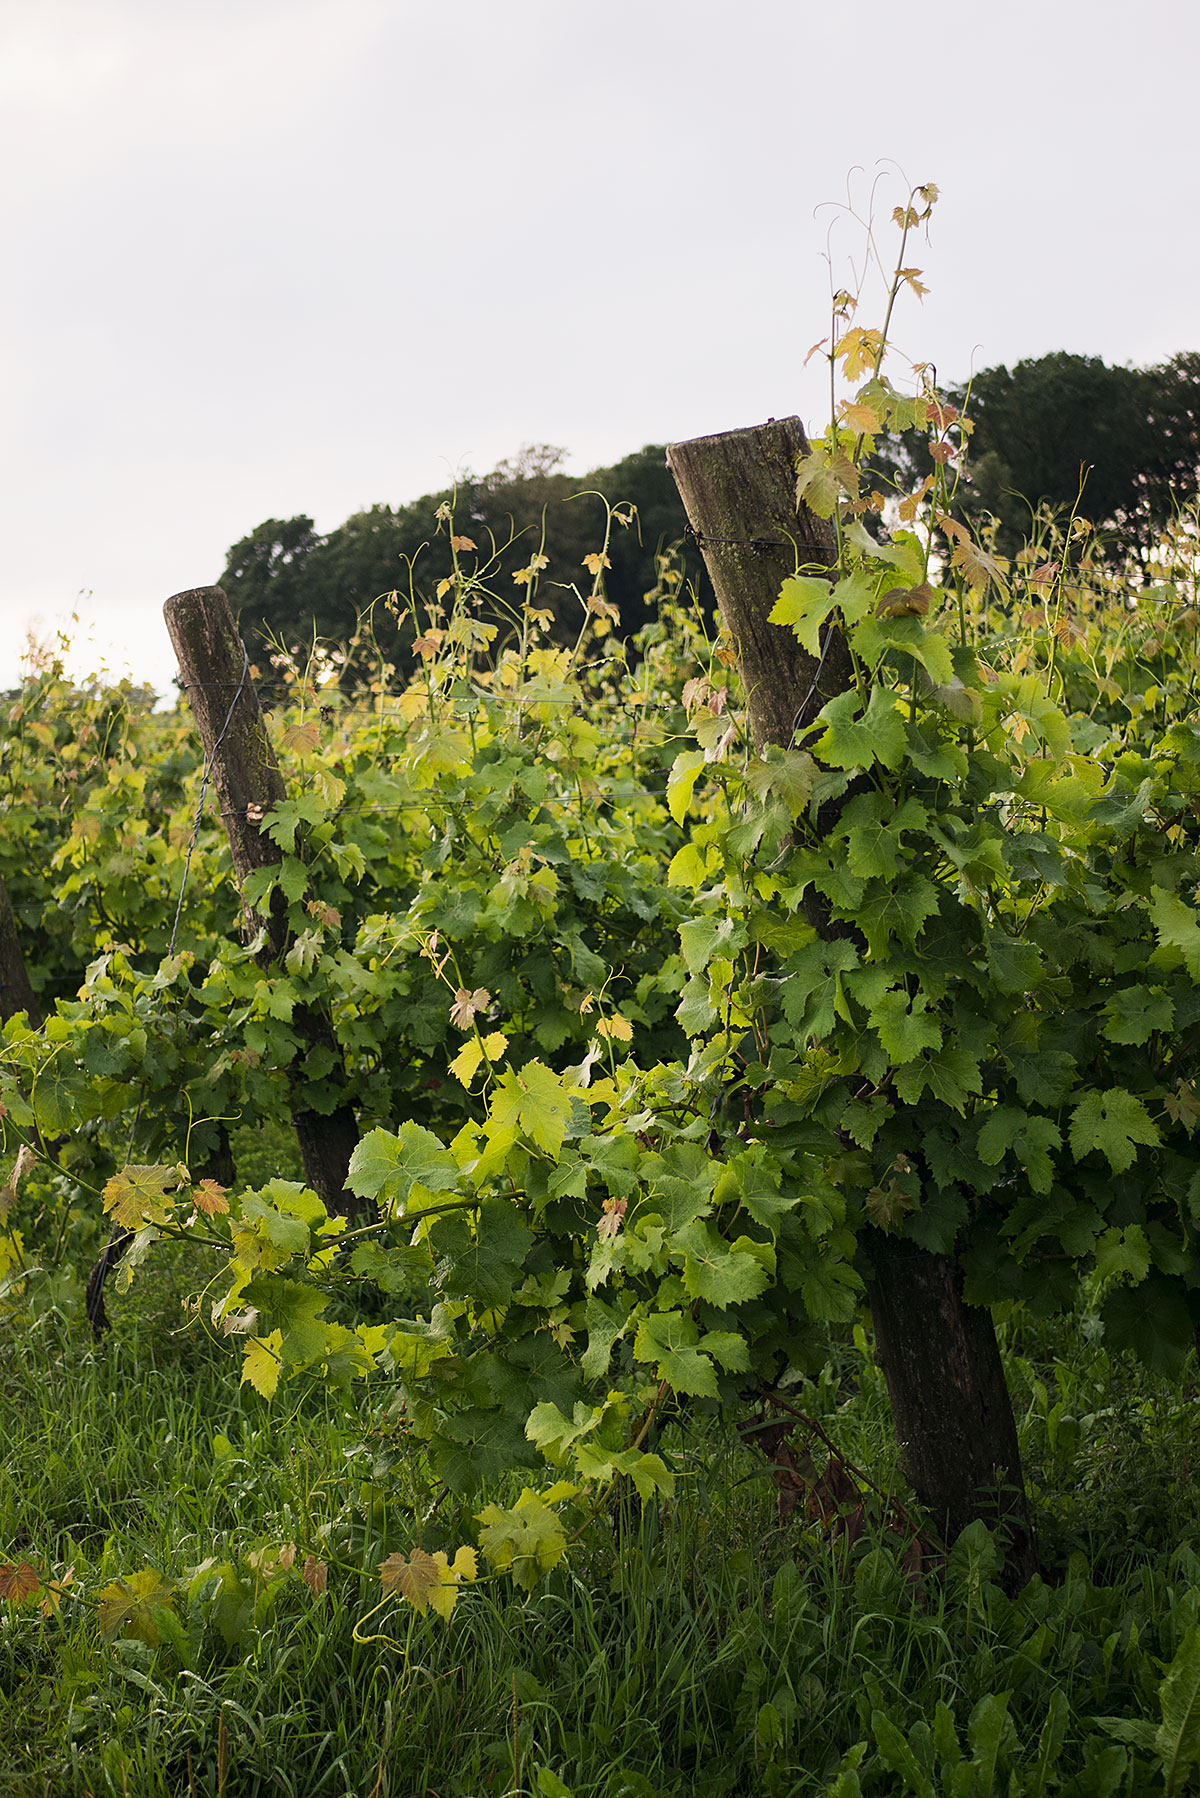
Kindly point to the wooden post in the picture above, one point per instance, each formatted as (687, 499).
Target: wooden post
(233, 732)
(16, 992)
(220, 690)
(950, 1405)
(951, 1409)
(739, 493)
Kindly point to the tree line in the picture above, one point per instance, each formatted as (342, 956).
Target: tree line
(1065, 431)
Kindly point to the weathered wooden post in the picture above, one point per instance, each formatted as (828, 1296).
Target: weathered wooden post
(739, 493)
(16, 992)
(950, 1404)
(216, 677)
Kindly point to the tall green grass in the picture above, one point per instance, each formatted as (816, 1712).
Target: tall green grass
(709, 1645)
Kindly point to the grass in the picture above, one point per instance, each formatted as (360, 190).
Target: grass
(708, 1645)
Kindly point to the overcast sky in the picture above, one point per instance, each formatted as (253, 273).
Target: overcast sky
(265, 257)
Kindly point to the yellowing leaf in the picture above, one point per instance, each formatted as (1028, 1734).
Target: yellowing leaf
(616, 1029)
(527, 1539)
(53, 1591)
(302, 738)
(595, 562)
(911, 276)
(261, 1363)
(127, 1607)
(466, 1005)
(315, 1575)
(465, 1065)
(209, 1197)
(860, 417)
(859, 349)
(138, 1195)
(459, 544)
(428, 1581)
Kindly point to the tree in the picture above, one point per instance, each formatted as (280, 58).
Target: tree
(1122, 443)
(290, 585)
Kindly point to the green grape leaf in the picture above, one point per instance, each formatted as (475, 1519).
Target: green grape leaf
(874, 846)
(668, 1339)
(128, 1606)
(681, 782)
(295, 1310)
(786, 774)
(952, 1076)
(1030, 1138)
(905, 1029)
(489, 1268)
(535, 1101)
(1133, 1013)
(387, 1165)
(1014, 966)
(1150, 1318)
(605, 1325)
(527, 1539)
(1178, 928)
(896, 912)
(715, 1271)
(875, 637)
(704, 939)
(854, 741)
(1113, 1122)
(830, 1288)
(805, 602)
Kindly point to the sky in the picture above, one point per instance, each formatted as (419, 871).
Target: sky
(270, 257)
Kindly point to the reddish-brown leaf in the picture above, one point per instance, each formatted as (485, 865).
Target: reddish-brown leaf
(18, 1581)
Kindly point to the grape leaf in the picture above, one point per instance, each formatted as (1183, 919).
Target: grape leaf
(467, 1004)
(209, 1197)
(137, 1195)
(681, 781)
(668, 1339)
(873, 834)
(386, 1166)
(715, 1271)
(428, 1581)
(1030, 1138)
(1151, 1318)
(127, 1607)
(18, 1581)
(804, 602)
(905, 1029)
(850, 741)
(527, 1539)
(788, 774)
(1113, 1122)
(1177, 927)
(489, 1266)
(1133, 1013)
(535, 1101)
(260, 1364)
